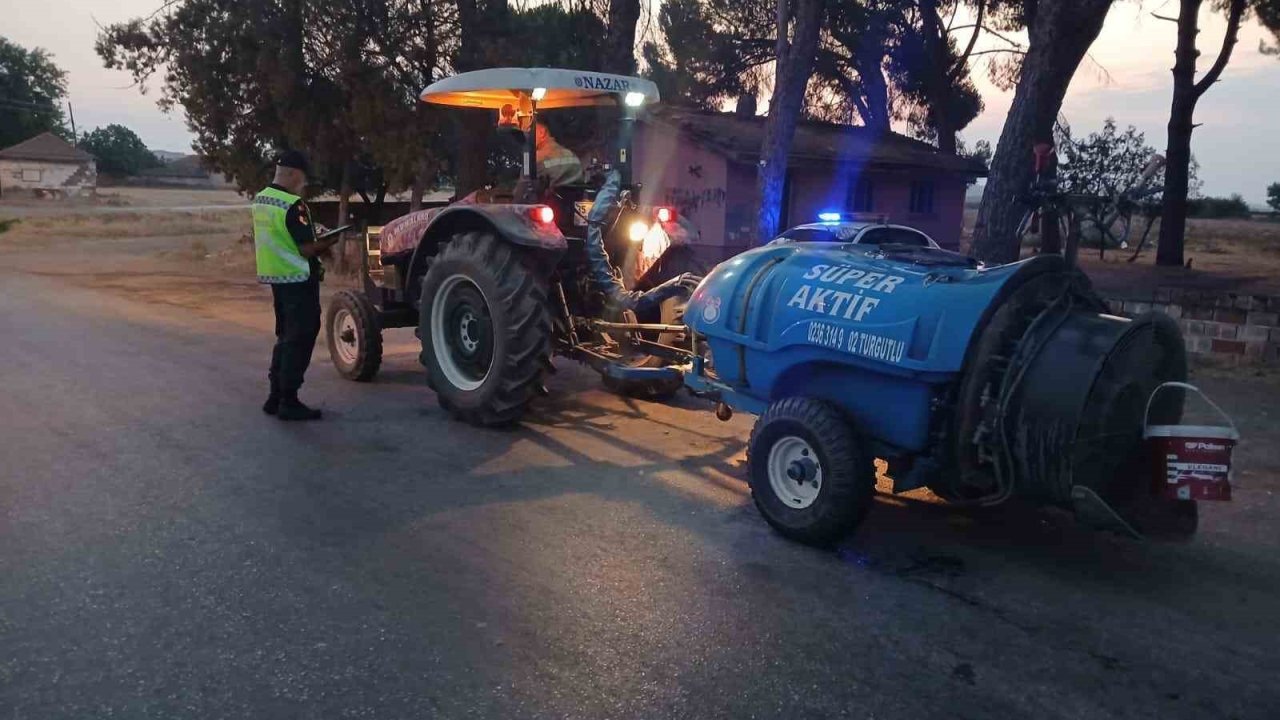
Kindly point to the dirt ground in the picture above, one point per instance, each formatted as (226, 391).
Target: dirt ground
(1226, 255)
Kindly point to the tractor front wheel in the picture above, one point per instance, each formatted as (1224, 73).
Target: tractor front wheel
(485, 329)
(809, 475)
(354, 335)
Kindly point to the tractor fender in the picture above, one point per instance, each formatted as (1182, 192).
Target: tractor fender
(511, 223)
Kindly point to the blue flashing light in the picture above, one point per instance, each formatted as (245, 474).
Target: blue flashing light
(829, 217)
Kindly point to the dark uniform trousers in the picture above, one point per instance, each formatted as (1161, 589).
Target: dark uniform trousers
(297, 307)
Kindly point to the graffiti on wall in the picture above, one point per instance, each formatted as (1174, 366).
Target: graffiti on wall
(690, 200)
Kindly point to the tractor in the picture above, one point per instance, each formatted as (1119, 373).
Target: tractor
(498, 282)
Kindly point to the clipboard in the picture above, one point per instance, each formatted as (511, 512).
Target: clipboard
(335, 231)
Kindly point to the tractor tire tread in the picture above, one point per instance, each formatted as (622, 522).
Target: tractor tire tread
(369, 357)
(527, 328)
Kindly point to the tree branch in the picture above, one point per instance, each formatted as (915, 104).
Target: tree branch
(1234, 13)
(963, 61)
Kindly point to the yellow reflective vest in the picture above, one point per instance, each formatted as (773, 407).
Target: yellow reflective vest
(278, 258)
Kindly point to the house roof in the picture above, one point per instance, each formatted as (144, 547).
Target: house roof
(45, 146)
(739, 139)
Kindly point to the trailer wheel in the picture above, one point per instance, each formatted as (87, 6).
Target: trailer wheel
(354, 335)
(485, 329)
(809, 475)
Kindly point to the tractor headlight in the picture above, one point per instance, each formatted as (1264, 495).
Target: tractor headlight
(637, 231)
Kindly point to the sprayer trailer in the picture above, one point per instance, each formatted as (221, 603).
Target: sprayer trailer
(982, 384)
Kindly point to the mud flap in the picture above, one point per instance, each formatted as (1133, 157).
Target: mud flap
(1092, 510)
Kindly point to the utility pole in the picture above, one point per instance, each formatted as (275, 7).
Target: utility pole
(75, 137)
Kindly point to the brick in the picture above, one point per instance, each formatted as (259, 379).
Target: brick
(1174, 311)
(1254, 333)
(1226, 300)
(1230, 315)
(1244, 302)
(1164, 295)
(1199, 345)
(1228, 347)
(1226, 331)
(1268, 319)
(1116, 306)
(1255, 350)
(1275, 335)
(1198, 313)
(1272, 353)
(1193, 327)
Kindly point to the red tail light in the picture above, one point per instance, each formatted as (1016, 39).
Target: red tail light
(543, 214)
(664, 214)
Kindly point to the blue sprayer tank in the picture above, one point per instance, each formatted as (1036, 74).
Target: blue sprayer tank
(981, 383)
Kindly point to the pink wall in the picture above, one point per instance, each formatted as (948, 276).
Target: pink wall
(718, 196)
(815, 191)
(678, 172)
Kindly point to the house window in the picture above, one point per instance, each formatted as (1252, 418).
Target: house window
(31, 175)
(921, 197)
(861, 196)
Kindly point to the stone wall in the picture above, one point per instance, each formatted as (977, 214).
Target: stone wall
(65, 178)
(1228, 327)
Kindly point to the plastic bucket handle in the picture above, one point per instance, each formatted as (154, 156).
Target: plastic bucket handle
(1146, 415)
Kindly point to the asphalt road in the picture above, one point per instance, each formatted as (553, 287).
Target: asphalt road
(166, 551)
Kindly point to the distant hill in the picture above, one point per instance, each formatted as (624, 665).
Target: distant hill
(166, 156)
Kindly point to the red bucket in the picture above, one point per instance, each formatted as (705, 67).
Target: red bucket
(1190, 462)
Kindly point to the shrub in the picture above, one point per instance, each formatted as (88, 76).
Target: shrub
(1218, 207)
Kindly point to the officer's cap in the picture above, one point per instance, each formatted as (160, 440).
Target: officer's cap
(293, 159)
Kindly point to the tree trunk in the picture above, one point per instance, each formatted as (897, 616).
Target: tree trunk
(1186, 92)
(482, 29)
(344, 211)
(620, 37)
(1060, 33)
(874, 107)
(794, 65)
(937, 84)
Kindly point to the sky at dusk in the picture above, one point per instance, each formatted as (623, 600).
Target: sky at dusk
(1127, 78)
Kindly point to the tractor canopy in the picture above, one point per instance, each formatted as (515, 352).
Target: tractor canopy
(550, 88)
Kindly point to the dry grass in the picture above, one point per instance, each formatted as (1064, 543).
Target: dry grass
(128, 225)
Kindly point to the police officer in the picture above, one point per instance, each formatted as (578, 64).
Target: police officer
(284, 240)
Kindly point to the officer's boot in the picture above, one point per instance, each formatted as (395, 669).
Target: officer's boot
(291, 408)
(272, 405)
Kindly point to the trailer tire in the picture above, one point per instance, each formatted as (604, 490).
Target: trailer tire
(810, 477)
(485, 329)
(354, 336)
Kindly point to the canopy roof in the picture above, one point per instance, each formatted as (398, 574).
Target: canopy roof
(560, 88)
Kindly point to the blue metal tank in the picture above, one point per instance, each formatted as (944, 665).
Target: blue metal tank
(878, 335)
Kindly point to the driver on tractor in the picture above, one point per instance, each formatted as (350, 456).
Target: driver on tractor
(556, 162)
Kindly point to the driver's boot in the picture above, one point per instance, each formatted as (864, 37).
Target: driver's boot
(291, 408)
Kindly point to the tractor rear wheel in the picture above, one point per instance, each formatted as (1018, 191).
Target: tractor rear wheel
(485, 329)
(810, 476)
(354, 335)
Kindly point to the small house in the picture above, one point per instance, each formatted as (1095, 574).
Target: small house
(47, 165)
(704, 164)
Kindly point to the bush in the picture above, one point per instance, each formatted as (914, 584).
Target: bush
(1218, 207)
